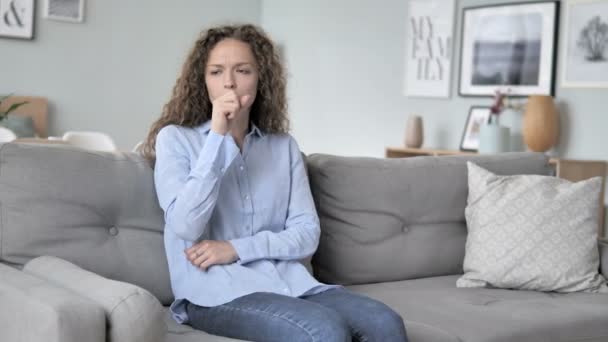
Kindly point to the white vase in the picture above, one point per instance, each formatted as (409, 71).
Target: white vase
(514, 120)
(494, 138)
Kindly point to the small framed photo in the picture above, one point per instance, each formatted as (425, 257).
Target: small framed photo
(64, 10)
(509, 47)
(17, 19)
(585, 48)
(478, 115)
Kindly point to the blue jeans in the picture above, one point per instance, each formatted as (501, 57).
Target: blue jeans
(334, 315)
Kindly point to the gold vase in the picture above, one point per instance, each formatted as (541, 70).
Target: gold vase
(541, 124)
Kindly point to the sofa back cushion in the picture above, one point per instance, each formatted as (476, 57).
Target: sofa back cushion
(397, 219)
(98, 210)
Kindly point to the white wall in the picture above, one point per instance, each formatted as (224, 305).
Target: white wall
(346, 66)
(115, 71)
(346, 62)
(345, 57)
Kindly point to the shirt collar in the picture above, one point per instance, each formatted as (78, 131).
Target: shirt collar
(255, 130)
(206, 127)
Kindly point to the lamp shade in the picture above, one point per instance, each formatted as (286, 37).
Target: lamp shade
(541, 126)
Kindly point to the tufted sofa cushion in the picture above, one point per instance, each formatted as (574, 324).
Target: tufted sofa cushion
(397, 219)
(97, 210)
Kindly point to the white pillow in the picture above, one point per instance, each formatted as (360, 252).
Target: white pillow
(532, 232)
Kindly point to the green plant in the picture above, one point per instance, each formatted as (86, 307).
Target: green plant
(13, 107)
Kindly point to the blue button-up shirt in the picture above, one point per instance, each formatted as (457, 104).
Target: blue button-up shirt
(258, 199)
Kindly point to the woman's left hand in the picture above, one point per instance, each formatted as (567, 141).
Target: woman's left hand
(210, 252)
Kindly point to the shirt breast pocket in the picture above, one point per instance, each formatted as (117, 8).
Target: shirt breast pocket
(271, 194)
(270, 213)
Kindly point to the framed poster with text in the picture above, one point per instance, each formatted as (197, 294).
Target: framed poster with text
(17, 19)
(429, 41)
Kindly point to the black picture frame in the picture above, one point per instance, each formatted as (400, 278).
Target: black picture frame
(17, 19)
(511, 47)
(478, 115)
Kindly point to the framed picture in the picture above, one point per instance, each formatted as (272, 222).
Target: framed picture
(586, 44)
(429, 45)
(509, 47)
(17, 19)
(478, 115)
(64, 10)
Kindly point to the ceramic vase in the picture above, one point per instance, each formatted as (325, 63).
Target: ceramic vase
(494, 138)
(514, 120)
(414, 134)
(541, 126)
(22, 126)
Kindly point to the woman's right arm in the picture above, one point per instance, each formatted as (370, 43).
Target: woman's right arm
(188, 196)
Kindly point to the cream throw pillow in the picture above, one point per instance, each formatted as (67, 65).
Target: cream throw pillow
(532, 233)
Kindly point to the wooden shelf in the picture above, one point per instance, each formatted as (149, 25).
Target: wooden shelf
(402, 152)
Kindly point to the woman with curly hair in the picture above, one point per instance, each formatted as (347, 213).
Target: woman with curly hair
(239, 214)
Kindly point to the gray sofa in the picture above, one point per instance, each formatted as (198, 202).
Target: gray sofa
(392, 229)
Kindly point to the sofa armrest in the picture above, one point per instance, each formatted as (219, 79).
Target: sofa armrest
(33, 309)
(132, 313)
(603, 245)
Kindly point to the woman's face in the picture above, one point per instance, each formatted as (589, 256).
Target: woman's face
(232, 66)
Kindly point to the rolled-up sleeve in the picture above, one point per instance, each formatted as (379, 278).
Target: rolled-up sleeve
(188, 195)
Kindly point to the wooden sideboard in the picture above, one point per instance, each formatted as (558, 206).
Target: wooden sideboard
(572, 170)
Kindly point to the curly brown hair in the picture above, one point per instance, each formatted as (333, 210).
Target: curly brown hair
(190, 105)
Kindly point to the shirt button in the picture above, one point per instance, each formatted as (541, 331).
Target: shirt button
(286, 290)
(242, 168)
(113, 231)
(221, 169)
(246, 197)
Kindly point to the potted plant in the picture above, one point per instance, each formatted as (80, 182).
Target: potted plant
(13, 107)
(497, 107)
(494, 138)
(20, 125)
